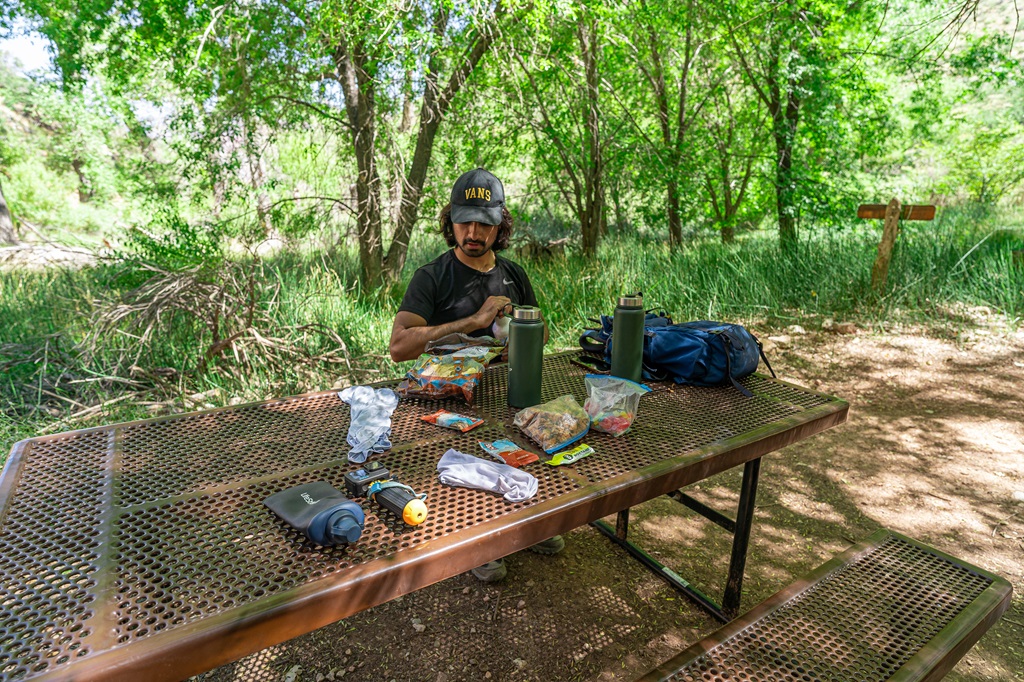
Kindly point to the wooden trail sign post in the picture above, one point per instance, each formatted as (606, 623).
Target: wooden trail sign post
(891, 214)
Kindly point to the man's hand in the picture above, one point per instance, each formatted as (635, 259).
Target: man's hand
(410, 333)
(493, 307)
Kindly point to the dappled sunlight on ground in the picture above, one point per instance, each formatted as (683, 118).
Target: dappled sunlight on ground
(934, 448)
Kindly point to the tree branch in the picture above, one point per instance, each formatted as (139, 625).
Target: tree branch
(308, 105)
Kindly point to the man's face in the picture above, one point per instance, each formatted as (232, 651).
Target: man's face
(474, 239)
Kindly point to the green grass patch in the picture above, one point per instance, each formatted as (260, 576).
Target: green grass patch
(961, 260)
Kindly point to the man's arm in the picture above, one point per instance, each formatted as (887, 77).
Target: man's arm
(410, 333)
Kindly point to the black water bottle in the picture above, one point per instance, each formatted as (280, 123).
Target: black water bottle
(628, 337)
(325, 515)
(525, 357)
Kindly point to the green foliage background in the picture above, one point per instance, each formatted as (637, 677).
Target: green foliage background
(180, 139)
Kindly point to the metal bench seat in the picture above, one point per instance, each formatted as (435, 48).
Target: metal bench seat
(888, 608)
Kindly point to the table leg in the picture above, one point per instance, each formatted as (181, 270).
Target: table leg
(670, 576)
(622, 524)
(740, 528)
(741, 538)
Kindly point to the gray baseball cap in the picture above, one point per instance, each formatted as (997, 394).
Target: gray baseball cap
(477, 196)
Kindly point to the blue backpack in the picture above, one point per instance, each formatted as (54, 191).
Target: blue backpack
(698, 353)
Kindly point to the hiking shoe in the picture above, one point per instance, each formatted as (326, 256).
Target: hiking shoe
(491, 572)
(550, 546)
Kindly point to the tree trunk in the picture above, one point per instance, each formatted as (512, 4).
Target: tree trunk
(784, 107)
(435, 105)
(258, 178)
(675, 225)
(360, 106)
(7, 233)
(590, 217)
(406, 124)
(729, 231)
(784, 132)
(84, 192)
(368, 218)
(604, 212)
(673, 148)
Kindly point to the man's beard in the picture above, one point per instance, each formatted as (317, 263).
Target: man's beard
(466, 245)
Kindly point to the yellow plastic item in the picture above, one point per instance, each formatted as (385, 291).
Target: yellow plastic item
(415, 512)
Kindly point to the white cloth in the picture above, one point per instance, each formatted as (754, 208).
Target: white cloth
(370, 423)
(467, 471)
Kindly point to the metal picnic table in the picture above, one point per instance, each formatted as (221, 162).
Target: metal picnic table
(142, 550)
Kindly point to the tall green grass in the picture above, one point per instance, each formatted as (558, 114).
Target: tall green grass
(936, 266)
(963, 259)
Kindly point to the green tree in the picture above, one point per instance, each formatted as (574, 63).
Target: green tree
(666, 44)
(352, 65)
(985, 164)
(733, 123)
(376, 51)
(559, 97)
(798, 58)
(77, 136)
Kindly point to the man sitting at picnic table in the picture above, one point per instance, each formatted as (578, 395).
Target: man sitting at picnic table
(466, 289)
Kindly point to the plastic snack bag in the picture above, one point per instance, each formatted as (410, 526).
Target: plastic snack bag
(554, 424)
(452, 420)
(612, 403)
(483, 349)
(442, 376)
(509, 453)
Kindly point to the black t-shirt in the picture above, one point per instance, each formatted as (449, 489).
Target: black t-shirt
(446, 289)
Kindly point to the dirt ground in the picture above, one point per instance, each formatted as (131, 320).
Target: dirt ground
(934, 448)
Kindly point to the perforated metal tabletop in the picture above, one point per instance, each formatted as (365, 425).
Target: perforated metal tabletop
(143, 550)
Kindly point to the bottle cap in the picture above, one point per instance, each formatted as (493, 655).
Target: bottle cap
(632, 300)
(526, 312)
(342, 526)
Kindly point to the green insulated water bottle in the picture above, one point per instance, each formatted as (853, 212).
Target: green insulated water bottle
(628, 337)
(525, 357)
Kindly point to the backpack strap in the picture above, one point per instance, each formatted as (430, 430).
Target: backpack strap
(591, 341)
(728, 366)
(592, 363)
(652, 373)
(760, 351)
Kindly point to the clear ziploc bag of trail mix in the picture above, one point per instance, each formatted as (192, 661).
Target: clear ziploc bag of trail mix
(612, 403)
(554, 424)
(443, 376)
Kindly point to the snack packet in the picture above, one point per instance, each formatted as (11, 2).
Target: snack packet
(441, 376)
(509, 453)
(554, 424)
(569, 456)
(481, 348)
(452, 420)
(612, 403)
